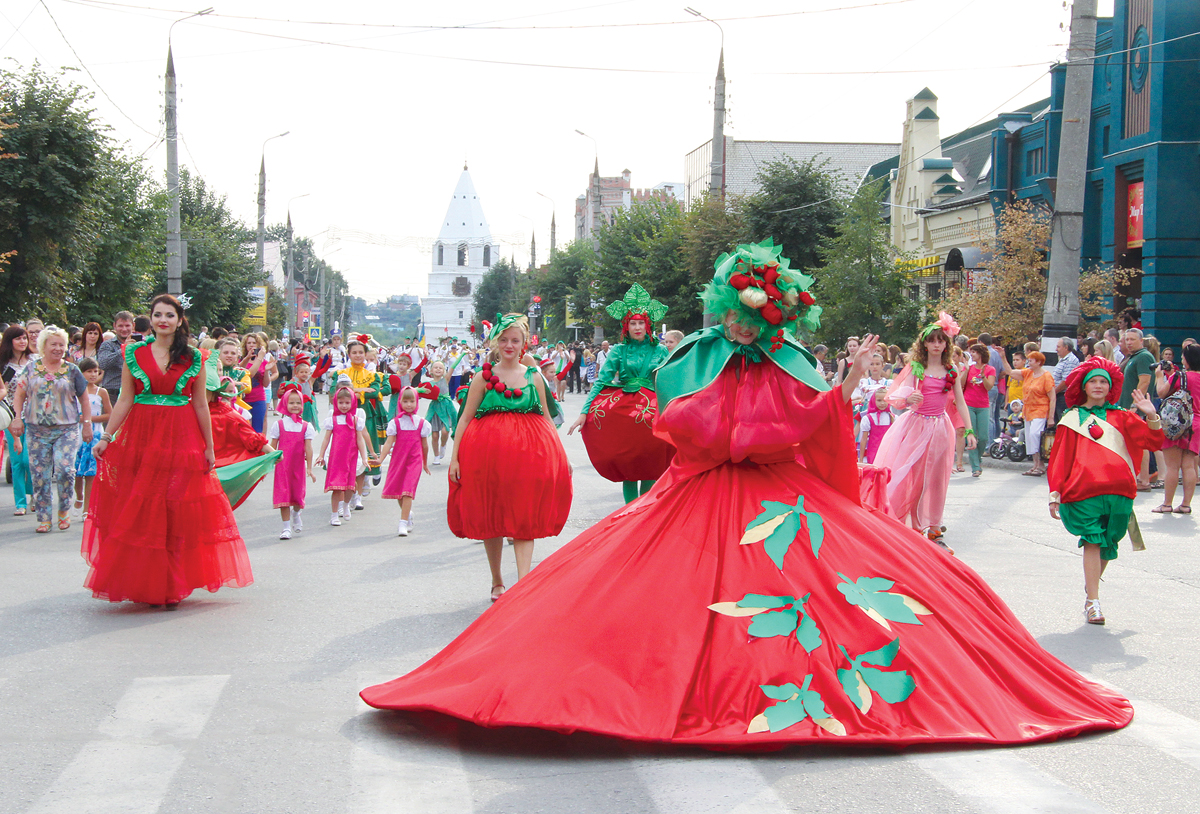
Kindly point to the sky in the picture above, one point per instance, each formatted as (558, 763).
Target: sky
(383, 102)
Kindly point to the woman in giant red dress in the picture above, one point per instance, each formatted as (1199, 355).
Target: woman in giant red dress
(748, 599)
(159, 525)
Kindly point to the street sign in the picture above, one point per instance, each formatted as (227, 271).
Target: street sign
(314, 334)
(257, 315)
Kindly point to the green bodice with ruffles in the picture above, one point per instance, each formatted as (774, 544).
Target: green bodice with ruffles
(629, 366)
(496, 402)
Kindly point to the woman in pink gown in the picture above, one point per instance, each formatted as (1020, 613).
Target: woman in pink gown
(919, 448)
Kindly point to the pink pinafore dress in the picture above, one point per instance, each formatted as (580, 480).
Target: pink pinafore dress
(342, 467)
(291, 477)
(404, 469)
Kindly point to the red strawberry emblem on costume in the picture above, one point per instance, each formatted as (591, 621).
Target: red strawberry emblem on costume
(807, 298)
(739, 281)
(1095, 430)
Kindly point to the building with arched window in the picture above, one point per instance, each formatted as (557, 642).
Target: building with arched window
(462, 253)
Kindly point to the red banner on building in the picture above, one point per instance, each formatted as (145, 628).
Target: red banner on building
(1133, 232)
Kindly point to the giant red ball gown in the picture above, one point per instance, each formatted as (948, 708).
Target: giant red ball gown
(749, 600)
(159, 525)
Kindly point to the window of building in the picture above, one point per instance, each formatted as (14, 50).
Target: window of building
(1035, 161)
(487, 256)
(462, 254)
(441, 255)
(460, 314)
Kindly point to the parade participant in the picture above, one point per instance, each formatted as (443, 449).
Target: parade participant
(347, 447)
(368, 386)
(49, 403)
(749, 601)
(919, 447)
(229, 353)
(618, 415)
(302, 378)
(159, 525)
(441, 414)
(509, 475)
(256, 361)
(242, 456)
(1092, 471)
(101, 409)
(876, 415)
(292, 435)
(400, 379)
(562, 366)
(15, 354)
(407, 442)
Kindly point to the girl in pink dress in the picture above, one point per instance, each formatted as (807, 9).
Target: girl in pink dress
(408, 443)
(346, 445)
(919, 448)
(293, 436)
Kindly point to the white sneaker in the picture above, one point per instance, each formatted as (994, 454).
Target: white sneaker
(358, 507)
(346, 514)
(403, 530)
(335, 519)
(366, 492)
(297, 520)
(286, 534)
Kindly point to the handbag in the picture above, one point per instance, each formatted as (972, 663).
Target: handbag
(7, 414)
(1176, 410)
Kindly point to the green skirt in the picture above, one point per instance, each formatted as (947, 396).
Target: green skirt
(442, 414)
(1102, 520)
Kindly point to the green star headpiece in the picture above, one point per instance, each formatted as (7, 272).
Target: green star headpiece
(637, 304)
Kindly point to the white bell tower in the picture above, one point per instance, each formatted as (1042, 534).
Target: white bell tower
(463, 251)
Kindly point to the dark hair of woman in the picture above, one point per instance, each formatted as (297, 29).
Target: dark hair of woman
(981, 351)
(1191, 357)
(180, 349)
(919, 353)
(6, 344)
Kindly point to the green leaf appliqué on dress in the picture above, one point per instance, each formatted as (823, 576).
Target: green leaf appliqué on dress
(871, 596)
(795, 704)
(775, 616)
(779, 524)
(858, 681)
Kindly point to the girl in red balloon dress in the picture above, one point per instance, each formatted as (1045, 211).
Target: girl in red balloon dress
(509, 475)
(618, 415)
(160, 525)
(748, 600)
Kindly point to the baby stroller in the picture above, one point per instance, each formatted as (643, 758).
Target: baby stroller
(1011, 443)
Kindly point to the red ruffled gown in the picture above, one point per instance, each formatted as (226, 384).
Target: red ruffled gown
(670, 621)
(159, 525)
(514, 479)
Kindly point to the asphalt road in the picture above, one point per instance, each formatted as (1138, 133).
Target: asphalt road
(246, 700)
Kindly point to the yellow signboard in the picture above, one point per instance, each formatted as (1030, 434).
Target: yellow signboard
(258, 310)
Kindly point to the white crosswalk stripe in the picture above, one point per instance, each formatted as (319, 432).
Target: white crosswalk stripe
(708, 785)
(996, 780)
(396, 770)
(128, 768)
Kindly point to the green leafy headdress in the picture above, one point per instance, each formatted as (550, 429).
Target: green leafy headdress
(637, 304)
(759, 286)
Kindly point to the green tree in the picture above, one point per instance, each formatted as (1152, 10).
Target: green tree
(643, 244)
(798, 205)
(859, 288)
(494, 293)
(45, 191)
(220, 261)
(558, 286)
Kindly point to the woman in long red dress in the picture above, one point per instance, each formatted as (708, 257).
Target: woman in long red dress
(159, 525)
(509, 475)
(748, 599)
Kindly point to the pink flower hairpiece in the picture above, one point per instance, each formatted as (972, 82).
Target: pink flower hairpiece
(945, 322)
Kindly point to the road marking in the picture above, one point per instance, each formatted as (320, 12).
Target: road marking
(128, 769)
(699, 785)
(1157, 726)
(395, 769)
(999, 781)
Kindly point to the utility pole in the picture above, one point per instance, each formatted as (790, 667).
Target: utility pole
(174, 250)
(552, 239)
(1061, 315)
(262, 207)
(290, 293)
(716, 186)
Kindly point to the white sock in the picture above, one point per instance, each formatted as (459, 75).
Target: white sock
(287, 525)
(341, 507)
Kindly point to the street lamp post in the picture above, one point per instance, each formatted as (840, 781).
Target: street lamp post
(262, 204)
(290, 294)
(716, 184)
(171, 123)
